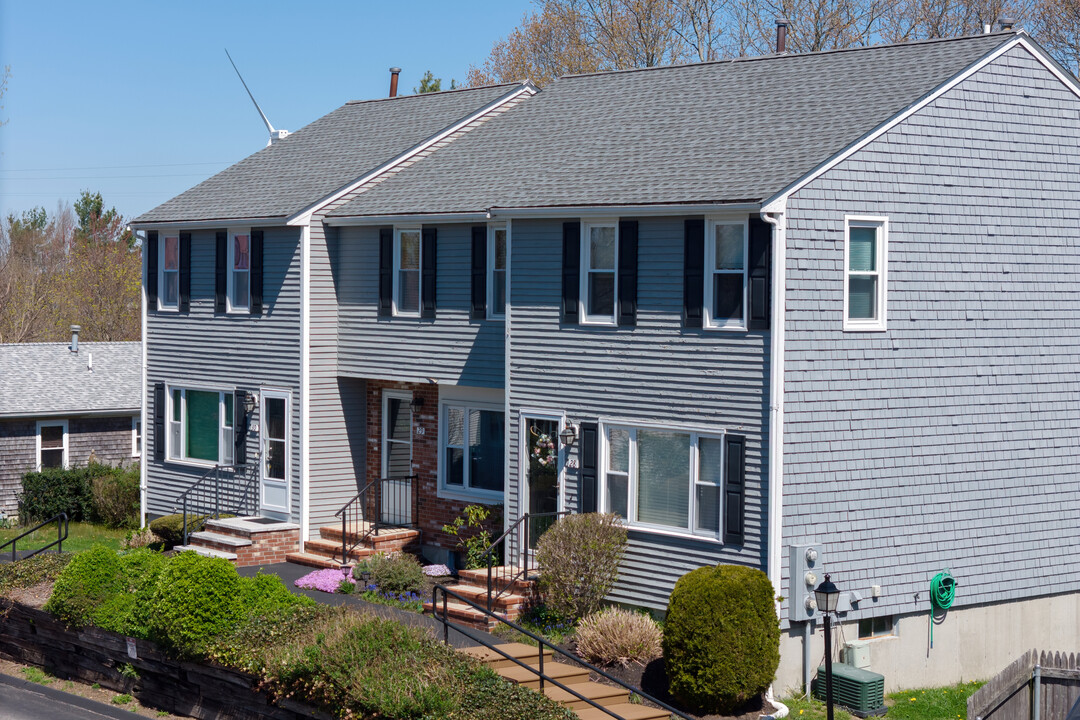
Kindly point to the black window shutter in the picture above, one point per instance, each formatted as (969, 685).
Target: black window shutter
(479, 272)
(734, 489)
(693, 272)
(759, 273)
(571, 271)
(221, 270)
(429, 262)
(386, 272)
(185, 271)
(256, 272)
(628, 242)
(151, 250)
(240, 427)
(159, 422)
(590, 463)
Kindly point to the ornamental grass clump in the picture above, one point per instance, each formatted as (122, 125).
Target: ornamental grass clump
(616, 636)
(579, 561)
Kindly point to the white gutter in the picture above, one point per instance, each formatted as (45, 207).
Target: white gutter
(143, 459)
(210, 224)
(576, 211)
(778, 219)
(305, 383)
(370, 220)
(111, 412)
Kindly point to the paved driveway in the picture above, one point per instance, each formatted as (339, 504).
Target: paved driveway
(24, 700)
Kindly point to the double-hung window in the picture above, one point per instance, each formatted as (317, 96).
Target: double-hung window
(865, 240)
(407, 271)
(599, 273)
(169, 262)
(136, 436)
(52, 444)
(725, 274)
(496, 271)
(239, 279)
(664, 479)
(474, 450)
(200, 426)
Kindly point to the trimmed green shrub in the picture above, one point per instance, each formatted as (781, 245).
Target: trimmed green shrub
(721, 637)
(88, 581)
(195, 600)
(265, 595)
(616, 636)
(52, 491)
(115, 497)
(397, 572)
(579, 561)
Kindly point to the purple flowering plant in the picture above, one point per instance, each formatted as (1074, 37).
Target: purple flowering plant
(327, 580)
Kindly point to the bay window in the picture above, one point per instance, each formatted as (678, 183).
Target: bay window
(200, 426)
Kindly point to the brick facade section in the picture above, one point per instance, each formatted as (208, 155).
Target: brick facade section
(433, 511)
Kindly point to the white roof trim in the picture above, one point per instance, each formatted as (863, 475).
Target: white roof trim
(209, 224)
(366, 220)
(583, 211)
(778, 202)
(304, 216)
(107, 412)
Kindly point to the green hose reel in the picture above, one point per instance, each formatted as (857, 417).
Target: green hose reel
(942, 595)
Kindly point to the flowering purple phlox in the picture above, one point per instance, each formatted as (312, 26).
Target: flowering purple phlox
(325, 580)
(436, 570)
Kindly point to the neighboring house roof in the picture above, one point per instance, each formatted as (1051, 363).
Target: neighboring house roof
(717, 132)
(47, 379)
(313, 162)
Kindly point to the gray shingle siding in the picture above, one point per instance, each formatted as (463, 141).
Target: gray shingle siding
(657, 372)
(223, 352)
(951, 440)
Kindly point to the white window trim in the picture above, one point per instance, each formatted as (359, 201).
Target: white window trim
(465, 492)
(37, 440)
(710, 271)
(286, 395)
(175, 307)
(523, 455)
(136, 444)
(880, 222)
(194, 462)
(395, 293)
(406, 397)
(229, 270)
(584, 318)
(491, 255)
(631, 503)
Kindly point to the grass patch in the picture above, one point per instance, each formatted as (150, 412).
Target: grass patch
(32, 571)
(36, 675)
(943, 703)
(81, 536)
(802, 708)
(122, 699)
(406, 600)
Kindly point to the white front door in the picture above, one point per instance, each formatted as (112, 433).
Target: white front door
(274, 461)
(395, 504)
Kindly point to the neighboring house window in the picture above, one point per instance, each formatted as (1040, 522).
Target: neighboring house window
(200, 426)
(239, 280)
(52, 444)
(169, 282)
(725, 274)
(666, 480)
(407, 271)
(875, 627)
(598, 273)
(474, 453)
(496, 271)
(865, 272)
(136, 436)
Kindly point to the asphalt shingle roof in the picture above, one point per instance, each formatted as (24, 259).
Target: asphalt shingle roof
(322, 157)
(47, 378)
(715, 132)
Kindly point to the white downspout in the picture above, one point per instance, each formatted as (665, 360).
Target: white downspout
(305, 383)
(143, 459)
(776, 396)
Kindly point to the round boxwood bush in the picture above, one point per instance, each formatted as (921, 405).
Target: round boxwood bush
(721, 638)
(196, 599)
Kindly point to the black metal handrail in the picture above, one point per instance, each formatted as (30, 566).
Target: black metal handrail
(516, 551)
(61, 521)
(541, 645)
(365, 512)
(233, 491)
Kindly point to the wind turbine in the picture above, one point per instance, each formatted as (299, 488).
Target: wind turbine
(275, 135)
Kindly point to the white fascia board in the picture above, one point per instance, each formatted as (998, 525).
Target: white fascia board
(209, 224)
(607, 211)
(366, 220)
(116, 412)
(778, 202)
(304, 216)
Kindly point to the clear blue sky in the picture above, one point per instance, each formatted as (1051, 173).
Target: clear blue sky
(137, 100)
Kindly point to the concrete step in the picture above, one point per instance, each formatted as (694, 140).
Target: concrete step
(566, 674)
(219, 539)
(625, 710)
(208, 552)
(312, 560)
(597, 692)
(495, 660)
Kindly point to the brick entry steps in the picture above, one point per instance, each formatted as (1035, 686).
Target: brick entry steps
(246, 541)
(326, 551)
(511, 604)
(616, 699)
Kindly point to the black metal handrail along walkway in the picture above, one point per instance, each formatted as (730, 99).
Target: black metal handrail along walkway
(517, 552)
(223, 489)
(541, 644)
(61, 521)
(399, 511)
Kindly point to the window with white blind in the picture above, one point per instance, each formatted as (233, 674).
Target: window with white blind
(865, 245)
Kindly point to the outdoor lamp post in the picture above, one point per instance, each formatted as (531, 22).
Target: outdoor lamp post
(828, 597)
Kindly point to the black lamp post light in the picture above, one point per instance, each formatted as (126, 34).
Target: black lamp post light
(568, 436)
(828, 598)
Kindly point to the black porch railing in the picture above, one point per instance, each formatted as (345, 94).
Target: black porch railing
(222, 490)
(541, 644)
(517, 548)
(389, 502)
(61, 521)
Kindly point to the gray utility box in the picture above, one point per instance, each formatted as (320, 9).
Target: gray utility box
(806, 570)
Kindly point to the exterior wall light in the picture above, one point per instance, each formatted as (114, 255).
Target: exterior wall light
(568, 435)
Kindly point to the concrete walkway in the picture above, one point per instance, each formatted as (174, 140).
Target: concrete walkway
(290, 572)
